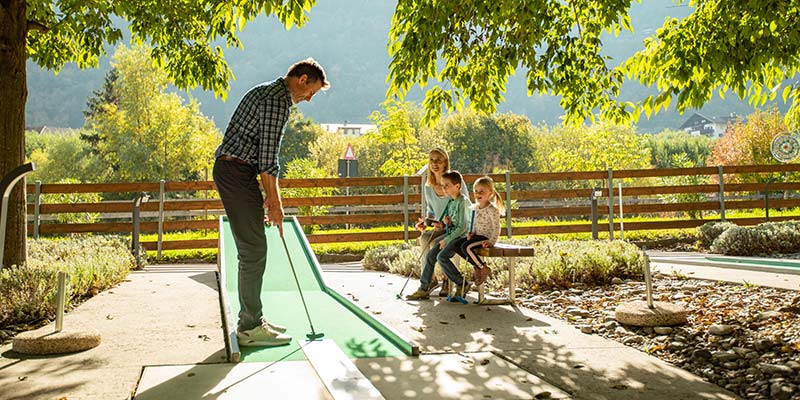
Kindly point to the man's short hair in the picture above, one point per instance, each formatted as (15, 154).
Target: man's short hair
(312, 69)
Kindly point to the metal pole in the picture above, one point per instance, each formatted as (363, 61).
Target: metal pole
(648, 280)
(6, 185)
(347, 193)
(61, 298)
(137, 202)
(721, 194)
(405, 208)
(508, 204)
(610, 204)
(161, 196)
(621, 214)
(37, 202)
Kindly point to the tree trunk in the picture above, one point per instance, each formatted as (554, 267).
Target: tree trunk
(13, 95)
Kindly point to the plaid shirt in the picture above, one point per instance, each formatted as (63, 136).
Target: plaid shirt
(256, 128)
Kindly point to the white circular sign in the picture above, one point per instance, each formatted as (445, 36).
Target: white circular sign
(785, 147)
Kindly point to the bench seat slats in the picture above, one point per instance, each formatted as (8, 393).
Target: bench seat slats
(506, 250)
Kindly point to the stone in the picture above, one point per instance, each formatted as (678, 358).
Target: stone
(775, 369)
(630, 340)
(720, 330)
(637, 313)
(616, 281)
(768, 315)
(35, 342)
(676, 346)
(701, 354)
(725, 356)
(763, 344)
(794, 365)
(779, 391)
(588, 329)
(663, 330)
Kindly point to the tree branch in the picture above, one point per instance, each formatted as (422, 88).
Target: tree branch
(37, 26)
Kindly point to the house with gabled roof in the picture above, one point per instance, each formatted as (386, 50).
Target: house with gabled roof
(714, 127)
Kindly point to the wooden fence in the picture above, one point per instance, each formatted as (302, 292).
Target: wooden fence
(396, 201)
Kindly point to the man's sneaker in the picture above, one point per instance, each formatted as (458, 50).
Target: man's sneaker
(434, 283)
(274, 327)
(445, 290)
(418, 295)
(262, 336)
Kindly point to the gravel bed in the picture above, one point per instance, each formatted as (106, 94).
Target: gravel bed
(741, 337)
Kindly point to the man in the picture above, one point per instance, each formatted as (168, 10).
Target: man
(249, 149)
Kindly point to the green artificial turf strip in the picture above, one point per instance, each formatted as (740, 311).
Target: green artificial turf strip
(282, 304)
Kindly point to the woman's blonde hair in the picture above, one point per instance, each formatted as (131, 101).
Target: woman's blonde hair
(431, 180)
(495, 198)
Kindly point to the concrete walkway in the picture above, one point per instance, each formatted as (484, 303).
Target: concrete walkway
(169, 316)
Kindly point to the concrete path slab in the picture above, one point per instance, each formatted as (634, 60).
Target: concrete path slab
(584, 366)
(243, 381)
(161, 315)
(465, 376)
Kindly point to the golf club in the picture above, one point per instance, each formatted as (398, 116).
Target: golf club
(313, 335)
(400, 295)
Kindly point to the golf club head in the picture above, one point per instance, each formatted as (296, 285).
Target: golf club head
(315, 336)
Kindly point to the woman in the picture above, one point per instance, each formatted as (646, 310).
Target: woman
(436, 201)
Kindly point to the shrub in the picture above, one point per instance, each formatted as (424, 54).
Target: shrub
(27, 292)
(556, 263)
(763, 239)
(710, 231)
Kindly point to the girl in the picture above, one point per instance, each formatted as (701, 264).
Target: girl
(435, 199)
(484, 226)
(455, 222)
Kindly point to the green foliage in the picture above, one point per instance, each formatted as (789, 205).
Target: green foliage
(596, 147)
(328, 148)
(60, 155)
(185, 36)
(681, 160)
(557, 264)
(710, 231)
(73, 198)
(27, 292)
(473, 47)
(149, 134)
(763, 239)
(748, 47)
(306, 168)
(397, 134)
(299, 135)
(479, 143)
(663, 145)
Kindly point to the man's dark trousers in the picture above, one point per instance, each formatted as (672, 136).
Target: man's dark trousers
(241, 196)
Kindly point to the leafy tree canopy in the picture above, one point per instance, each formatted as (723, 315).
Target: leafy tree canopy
(472, 47)
(183, 33)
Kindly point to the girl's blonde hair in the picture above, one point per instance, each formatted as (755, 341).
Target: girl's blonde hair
(494, 198)
(431, 179)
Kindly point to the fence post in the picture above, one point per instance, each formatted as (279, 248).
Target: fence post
(508, 204)
(405, 208)
(610, 204)
(593, 198)
(37, 202)
(161, 196)
(721, 194)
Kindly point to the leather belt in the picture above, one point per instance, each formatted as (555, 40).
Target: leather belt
(234, 159)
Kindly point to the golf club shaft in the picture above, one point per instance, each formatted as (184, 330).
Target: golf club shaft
(291, 265)
(428, 246)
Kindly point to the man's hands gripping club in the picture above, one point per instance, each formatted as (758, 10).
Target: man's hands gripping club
(272, 203)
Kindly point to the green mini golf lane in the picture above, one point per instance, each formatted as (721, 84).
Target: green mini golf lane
(751, 261)
(282, 304)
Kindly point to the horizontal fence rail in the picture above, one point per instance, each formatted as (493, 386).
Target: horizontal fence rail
(396, 201)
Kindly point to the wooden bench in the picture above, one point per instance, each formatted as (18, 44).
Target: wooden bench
(510, 252)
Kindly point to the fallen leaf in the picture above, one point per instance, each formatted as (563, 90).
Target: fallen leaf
(109, 316)
(443, 322)
(462, 316)
(22, 378)
(191, 374)
(485, 361)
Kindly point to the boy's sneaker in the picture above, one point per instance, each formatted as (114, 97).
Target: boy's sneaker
(418, 295)
(262, 336)
(445, 290)
(461, 293)
(421, 294)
